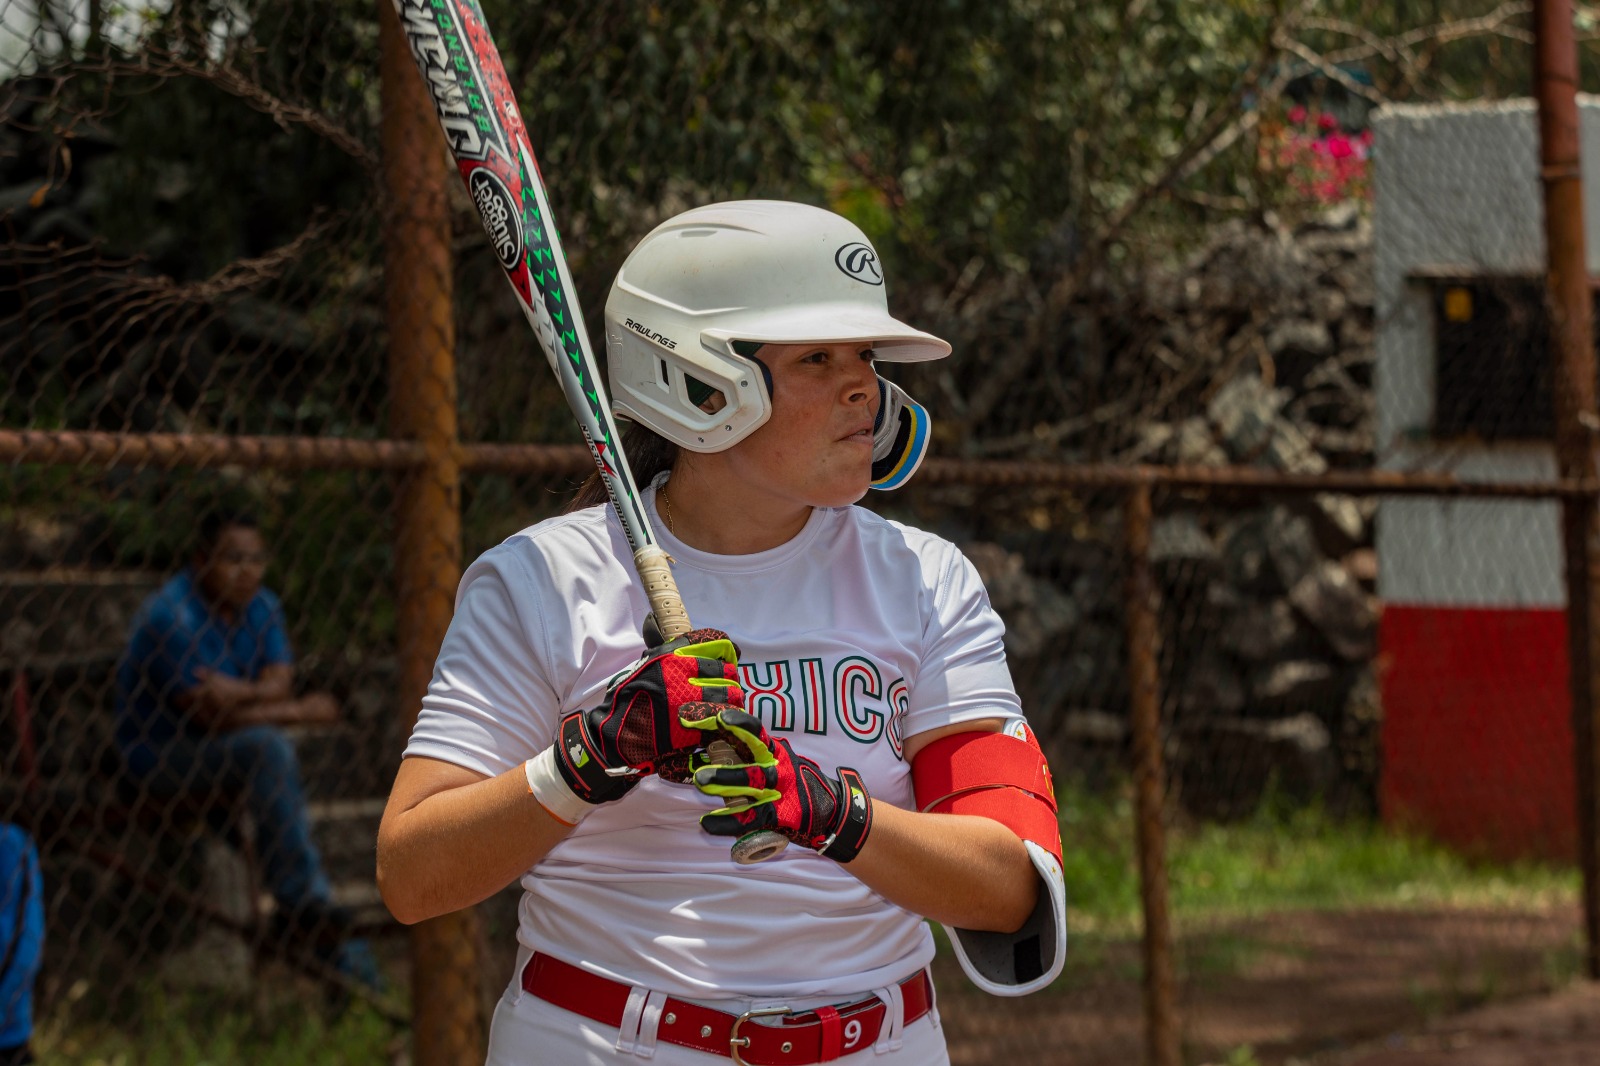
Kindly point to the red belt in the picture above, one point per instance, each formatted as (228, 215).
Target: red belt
(821, 1034)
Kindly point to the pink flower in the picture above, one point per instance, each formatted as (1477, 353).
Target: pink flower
(1326, 121)
(1340, 146)
(1297, 114)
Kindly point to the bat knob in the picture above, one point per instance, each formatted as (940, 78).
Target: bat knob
(758, 846)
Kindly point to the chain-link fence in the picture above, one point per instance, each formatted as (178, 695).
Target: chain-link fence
(250, 334)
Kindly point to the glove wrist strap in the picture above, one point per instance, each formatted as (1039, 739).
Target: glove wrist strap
(851, 832)
(552, 791)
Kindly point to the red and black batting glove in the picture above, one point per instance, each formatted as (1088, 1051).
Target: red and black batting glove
(784, 792)
(601, 753)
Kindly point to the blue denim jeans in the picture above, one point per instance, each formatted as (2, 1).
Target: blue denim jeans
(255, 767)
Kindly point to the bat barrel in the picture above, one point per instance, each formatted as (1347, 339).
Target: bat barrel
(477, 109)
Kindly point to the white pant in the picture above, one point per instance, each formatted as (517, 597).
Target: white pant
(528, 1031)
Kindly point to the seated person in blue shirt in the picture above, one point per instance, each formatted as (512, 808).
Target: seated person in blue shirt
(203, 690)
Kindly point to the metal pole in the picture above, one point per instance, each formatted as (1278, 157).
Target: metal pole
(446, 1002)
(1574, 381)
(166, 451)
(1144, 684)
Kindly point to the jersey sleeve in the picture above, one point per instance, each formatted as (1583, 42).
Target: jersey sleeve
(491, 704)
(962, 675)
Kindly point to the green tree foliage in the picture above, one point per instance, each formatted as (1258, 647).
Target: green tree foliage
(947, 129)
(190, 187)
(1007, 129)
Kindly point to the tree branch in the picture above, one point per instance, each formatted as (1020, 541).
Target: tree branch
(1328, 69)
(1394, 48)
(1226, 123)
(242, 274)
(283, 112)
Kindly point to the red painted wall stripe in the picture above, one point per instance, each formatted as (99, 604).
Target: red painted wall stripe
(1477, 734)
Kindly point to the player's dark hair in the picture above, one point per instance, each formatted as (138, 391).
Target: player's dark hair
(213, 523)
(648, 453)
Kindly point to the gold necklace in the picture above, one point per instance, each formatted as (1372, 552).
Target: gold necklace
(666, 507)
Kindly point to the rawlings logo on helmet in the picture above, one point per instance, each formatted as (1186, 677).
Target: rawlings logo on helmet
(649, 334)
(859, 261)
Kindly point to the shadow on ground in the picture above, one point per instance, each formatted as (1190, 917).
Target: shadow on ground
(1308, 987)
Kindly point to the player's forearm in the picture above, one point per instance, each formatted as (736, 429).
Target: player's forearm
(459, 847)
(969, 872)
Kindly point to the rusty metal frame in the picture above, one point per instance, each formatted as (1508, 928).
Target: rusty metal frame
(1569, 294)
(449, 1020)
(165, 451)
(1162, 1044)
(441, 459)
(430, 461)
(172, 450)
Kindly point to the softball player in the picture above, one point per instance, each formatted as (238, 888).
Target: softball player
(858, 674)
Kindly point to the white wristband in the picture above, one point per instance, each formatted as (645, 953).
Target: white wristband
(552, 790)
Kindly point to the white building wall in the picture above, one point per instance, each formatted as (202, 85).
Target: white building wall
(1457, 190)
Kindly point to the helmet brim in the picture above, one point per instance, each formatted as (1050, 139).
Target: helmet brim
(893, 340)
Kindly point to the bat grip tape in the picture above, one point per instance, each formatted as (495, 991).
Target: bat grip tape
(654, 566)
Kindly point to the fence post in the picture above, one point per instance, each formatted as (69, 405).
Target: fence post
(1144, 687)
(446, 1002)
(1573, 376)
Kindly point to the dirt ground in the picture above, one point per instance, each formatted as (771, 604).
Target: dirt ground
(1353, 988)
(1560, 1029)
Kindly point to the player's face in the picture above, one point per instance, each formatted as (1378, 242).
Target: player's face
(230, 574)
(816, 449)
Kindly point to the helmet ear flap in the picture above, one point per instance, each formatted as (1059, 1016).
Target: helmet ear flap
(699, 391)
(900, 437)
(750, 350)
(704, 400)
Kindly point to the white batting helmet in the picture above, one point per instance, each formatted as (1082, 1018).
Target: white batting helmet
(705, 288)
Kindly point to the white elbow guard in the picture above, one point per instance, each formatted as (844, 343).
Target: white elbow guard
(1004, 776)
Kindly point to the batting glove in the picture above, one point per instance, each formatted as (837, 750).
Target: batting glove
(637, 730)
(601, 753)
(784, 792)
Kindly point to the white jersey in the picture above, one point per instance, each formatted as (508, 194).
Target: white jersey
(856, 634)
